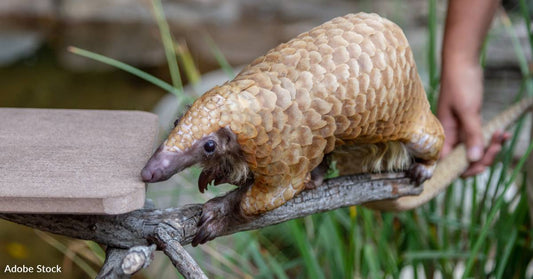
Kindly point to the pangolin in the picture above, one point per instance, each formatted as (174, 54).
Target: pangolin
(347, 90)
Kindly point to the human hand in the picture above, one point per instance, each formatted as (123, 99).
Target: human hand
(459, 106)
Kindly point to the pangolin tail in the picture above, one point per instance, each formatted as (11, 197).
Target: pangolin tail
(452, 166)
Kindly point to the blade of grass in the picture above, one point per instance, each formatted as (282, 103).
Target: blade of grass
(471, 230)
(436, 255)
(527, 18)
(168, 44)
(350, 261)
(305, 249)
(371, 261)
(444, 231)
(358, 244)
(224, 260)
(125, 67)
(330, 238)
(519, 51)
(388, 257)
(219, 56)
(185, 58)
(258, 259)
(483, 201)
(96, 249)
(510, 242)
(508, 156)
(275, 259)
(275, 266)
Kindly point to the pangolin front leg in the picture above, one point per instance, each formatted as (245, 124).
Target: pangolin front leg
(243, 205)
(218, 214)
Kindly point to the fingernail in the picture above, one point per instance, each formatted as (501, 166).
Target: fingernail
(475, 153)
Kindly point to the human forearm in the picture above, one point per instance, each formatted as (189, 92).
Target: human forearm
(467, 23)
(461, 89)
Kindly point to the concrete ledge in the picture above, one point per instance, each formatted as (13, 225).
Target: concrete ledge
(73, 161)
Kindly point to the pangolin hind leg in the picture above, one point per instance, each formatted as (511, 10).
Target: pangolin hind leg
(425, 145)
(243, 205)
(421, 166)
(319, 173)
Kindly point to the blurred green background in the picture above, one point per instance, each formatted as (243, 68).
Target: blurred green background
(482, 225)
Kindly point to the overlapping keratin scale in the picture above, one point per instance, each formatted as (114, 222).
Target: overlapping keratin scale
(351, 80)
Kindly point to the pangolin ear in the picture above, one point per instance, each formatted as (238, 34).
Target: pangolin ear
(180, 116)
(177, 121)
(226, 136)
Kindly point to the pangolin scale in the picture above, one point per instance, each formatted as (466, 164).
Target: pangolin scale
(347, 89)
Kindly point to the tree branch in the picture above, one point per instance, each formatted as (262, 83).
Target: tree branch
(172, 228)
(122, 263)
(139, 227)
(185, 264)
(111, 268)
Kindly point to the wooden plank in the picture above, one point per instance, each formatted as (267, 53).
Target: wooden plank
(73, 161)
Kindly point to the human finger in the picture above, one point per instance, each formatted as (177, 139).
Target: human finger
(471, 128)
(495, 145)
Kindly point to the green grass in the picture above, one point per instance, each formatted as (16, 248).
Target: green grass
(473, 224)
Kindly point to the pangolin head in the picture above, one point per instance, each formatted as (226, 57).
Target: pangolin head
(202, 136)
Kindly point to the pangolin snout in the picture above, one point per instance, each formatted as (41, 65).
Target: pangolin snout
(150, 174)
(163, 164)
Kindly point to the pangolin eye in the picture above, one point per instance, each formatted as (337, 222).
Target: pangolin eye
(209, 146)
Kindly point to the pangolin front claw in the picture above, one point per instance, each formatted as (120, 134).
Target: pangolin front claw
(203, 235)
(218, 215)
